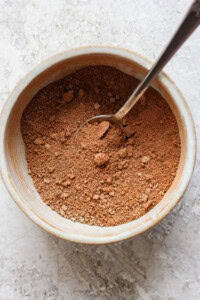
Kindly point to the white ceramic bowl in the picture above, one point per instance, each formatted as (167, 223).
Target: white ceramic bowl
(13, 166)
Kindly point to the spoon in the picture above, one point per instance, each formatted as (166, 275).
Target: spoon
(188, 25)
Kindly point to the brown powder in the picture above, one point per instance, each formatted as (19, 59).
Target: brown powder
(99, 177)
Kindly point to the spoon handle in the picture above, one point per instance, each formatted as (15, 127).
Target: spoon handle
(188, 25)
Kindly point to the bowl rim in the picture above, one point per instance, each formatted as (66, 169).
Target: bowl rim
(164, 79)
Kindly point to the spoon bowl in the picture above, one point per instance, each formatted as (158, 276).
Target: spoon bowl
(100, 118)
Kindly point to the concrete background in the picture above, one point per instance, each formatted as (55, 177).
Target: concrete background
(163, 263)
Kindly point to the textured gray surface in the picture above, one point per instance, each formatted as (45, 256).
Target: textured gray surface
(163, 263)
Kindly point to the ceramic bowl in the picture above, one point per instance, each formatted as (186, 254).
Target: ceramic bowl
(13, 165)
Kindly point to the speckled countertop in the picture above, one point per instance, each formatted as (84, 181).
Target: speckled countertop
(163, 263)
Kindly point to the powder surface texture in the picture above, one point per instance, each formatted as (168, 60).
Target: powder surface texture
(100, 176)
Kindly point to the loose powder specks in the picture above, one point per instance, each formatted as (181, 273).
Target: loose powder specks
(100, 176)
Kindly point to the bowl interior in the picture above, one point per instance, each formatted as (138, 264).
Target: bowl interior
(20, 184)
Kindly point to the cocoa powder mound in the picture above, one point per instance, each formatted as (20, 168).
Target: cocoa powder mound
(100, 176)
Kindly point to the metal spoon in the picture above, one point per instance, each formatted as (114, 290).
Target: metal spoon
(188, 25)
